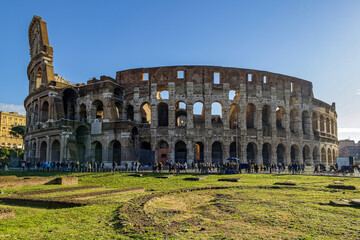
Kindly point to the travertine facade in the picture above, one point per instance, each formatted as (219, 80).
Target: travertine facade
(178, 113)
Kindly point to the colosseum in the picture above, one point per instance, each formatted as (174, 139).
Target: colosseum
(175, 113)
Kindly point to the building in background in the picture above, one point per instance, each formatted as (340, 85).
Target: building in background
(348, 148)
(7, 122)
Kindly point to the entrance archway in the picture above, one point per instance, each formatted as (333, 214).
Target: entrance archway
(216, 153)
(180, 152)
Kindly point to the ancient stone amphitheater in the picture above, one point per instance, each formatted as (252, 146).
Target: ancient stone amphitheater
(177, 113)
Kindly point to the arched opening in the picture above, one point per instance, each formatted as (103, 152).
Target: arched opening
(329, 157)
(80, 148)
(280, 154)
(305, 122)
(250, 115)
(97, 109)
(216, 113)
(130, 112)
(69, 102)
(43, 148)
(198, 113)
(315, 125)
(294, 154)
(163, 115)
(162, 93)
(216, 153)
(82, 113)
(316, 155)
(233, 150)
(327, 126)
(163, 154)
(322, 123)
(180, 114)
(145, 112)
(251, 152)
(118, 93)
(266, 124)
(118, 108)
(145, 153)
(332, 127)
(55, 151)
(36, 113)
(234, 95)
(293, 123)
(280, 117)
(266, 154)
(98, 151)
(180, 152)
(234, 116)
(116, 152)
(306, 155)
(323, 156)
(45, 112)
(38, 78)
(199, 152)
(333, 156)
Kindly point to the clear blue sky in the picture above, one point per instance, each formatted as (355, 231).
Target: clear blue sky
(315, 40)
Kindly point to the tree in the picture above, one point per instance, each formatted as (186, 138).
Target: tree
(4, 156)
(18, 131)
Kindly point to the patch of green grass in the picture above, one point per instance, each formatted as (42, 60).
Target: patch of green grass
(255, 211)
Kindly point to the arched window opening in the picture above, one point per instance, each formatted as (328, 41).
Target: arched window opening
(234, 116)
(333, 157)
(332, 127)
(327, 126)
(234, 95)
(55, 151)
(266, 124)
(280, 154)
(145, 154)
(322, 123)
(43, 148)
(315, 125)
(316, 155)
(250, 115)
(38, 78)
(163, 115)
(98, 152)
(199, 152)
(162, 94)
(163, 152)
(294, 154)
(98, 109)
(118, 93)
(180, 152)
(251, 152)
(216, 113)
(293, 123)
(306, 155)
(329, 157)
(45, 112)
(69, 102)
(305, 121)
(130, 112)
(180, 114)
(323, 155)
(36, 112)
(280, 117)
(116, 153)
(145, 111)
(118, 108)
(216, 153)
(83, 114)
(198, 113)
(266, 153)
(233, 150)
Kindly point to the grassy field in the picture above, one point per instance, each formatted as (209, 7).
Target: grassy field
(252, 208)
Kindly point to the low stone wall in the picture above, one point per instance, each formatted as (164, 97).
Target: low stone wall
(13, 181)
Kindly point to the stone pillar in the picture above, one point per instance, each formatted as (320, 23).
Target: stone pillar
(189, 114)
(190, 152)
(48, 148)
